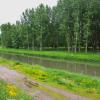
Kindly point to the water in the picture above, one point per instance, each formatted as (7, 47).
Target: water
(63, 65)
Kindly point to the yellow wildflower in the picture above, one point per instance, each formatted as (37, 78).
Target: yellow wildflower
(12, 91)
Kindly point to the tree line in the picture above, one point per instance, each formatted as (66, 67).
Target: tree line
(73, 25)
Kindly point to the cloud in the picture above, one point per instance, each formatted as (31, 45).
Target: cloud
(10, 10)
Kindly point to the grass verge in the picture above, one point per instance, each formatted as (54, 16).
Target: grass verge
(77, 83)
(83, 57)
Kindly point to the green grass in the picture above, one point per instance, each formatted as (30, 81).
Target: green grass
(77, 83)
(4, 92)
(83, 57)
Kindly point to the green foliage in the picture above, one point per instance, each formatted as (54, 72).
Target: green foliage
(73, 25)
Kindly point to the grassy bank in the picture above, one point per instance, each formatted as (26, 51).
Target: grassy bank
(9, 91)
(84, 57)
(77, 83)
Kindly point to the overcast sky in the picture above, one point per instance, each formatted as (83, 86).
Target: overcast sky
(11, 10)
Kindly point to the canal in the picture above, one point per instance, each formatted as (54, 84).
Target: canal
(70, 66)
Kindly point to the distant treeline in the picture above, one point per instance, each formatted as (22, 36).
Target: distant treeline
(72, 24)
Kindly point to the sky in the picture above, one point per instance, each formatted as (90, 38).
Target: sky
(11, 10)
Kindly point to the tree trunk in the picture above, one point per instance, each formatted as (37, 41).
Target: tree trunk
(28, 41)
(86, 46)
(41, 45)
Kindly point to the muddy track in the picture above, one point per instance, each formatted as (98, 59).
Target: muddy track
(29, 86)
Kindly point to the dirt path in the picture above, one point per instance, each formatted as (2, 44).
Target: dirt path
(23, 82)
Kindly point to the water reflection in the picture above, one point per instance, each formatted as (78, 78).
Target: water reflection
(69, 66)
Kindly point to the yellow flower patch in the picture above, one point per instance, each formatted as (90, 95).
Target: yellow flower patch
(12, 90)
